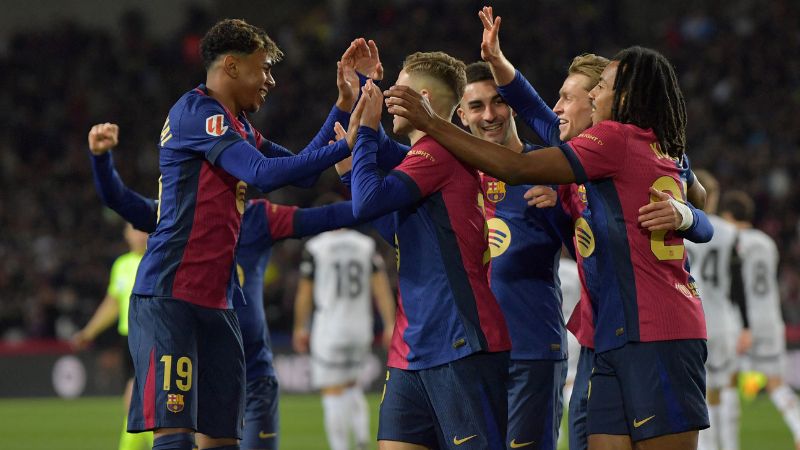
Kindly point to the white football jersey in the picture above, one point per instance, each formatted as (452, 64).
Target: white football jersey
(341, 264)
(710, 265)
(759, 256)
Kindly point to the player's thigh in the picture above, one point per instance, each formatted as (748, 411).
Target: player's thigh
(470, 400)
(605, 408)
(663, 387)
(578, 402)
(261, 414)
(679, 441)
(220, 374)
(722, 361)
(534, 403)
(406, 414)
(162, 341)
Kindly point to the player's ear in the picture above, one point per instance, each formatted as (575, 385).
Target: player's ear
(463, 116)
(230, 64)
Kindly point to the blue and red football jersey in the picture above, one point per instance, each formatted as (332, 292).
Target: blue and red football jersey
(190, 255)
(523, 273)
(636, 279)
(446, 309)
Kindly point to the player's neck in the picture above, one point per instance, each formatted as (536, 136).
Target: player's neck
(415, 135)
(215, 91)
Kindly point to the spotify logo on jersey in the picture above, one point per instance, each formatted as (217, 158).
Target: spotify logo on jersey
(499, 236)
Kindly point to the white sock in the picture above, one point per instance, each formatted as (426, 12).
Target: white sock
(786, 401)
(337, 420)
(708, 438)
(360, 416)
(729, 418)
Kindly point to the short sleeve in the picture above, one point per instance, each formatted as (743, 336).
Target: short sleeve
(307, 265)
(428, 165)
(599, 152)
(201, 126)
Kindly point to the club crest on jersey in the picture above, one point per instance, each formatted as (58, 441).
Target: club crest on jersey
(175, 402)
(582, 194)
(215, 125)
(495, 191)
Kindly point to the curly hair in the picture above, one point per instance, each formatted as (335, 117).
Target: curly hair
(236, 36)
(647, 94)
(441, 66)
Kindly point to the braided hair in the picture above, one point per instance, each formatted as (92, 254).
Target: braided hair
(647, 94)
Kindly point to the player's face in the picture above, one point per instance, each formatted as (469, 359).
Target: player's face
(486, 114)
(602, 95)
(574, 109)
(400, 125)
(255, 80)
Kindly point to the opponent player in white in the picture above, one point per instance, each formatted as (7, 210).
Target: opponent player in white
(337, 271)
(711, 268)
(570, 295)
(765, 339)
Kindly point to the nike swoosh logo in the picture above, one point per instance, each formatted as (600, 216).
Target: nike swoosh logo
(637, 424)
(458, 441)
(514, 444)
(262, 435)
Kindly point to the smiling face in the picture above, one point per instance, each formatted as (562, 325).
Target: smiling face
(254, 80)
(485, 113)
(602, 96)
(574, 109)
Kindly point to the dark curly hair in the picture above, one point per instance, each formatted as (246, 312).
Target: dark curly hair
(236, 36)
(647, 94)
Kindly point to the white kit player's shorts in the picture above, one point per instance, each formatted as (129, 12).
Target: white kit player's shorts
(338, 364)
(768, 353)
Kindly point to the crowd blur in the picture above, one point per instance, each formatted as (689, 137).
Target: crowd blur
(738, 63)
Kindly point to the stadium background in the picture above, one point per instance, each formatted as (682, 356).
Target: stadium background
(67, 65)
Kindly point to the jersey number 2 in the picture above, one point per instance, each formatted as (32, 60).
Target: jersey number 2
(663, 251)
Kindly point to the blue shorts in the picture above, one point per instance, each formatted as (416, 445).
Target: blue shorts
(458, 405)
(534, 403)
(579, 402)
(261, 415)
(649, 389)
(189, 367)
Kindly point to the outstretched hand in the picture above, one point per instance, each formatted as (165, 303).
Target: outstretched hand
(103, 137)
(659, 214)
(363, 57)
(410, 104)
(490, 46)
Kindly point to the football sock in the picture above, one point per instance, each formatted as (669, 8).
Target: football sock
(786, 401)
(134, 441)
(176, 441)
(337, 419)
(729, 418)
(360, 417)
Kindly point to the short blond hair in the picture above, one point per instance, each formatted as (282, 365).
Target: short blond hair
(440, 66)
(589, 65)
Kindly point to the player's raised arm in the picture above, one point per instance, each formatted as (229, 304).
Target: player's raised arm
(135, 208)
(545, 166)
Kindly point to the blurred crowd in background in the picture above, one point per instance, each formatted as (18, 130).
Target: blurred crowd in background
(738, 63)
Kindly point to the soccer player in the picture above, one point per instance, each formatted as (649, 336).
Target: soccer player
(715, 269)
(263, 224)
(765, 339)
(181, 319)
(648, 380)
(448, 363)
(114, 308)
(340, 273)
(526, 287)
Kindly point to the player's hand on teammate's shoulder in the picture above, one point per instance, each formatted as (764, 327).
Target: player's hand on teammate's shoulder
(103, 137)
(541, 197)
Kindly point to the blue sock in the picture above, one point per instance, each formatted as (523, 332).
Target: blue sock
(176, 441)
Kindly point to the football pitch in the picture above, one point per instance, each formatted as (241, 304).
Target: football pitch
(94, 424)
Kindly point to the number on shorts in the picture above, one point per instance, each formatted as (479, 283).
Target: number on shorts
(183, 370)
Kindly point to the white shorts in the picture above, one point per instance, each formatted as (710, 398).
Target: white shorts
(333, 366)
(768, 353)
(573, 351)
(721, 363)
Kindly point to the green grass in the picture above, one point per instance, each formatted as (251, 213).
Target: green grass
(94, 424)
